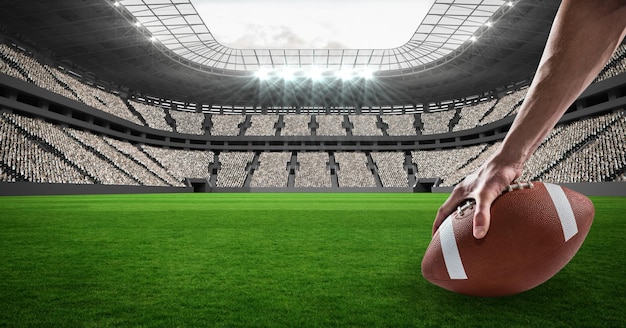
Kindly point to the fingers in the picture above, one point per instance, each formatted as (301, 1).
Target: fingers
(482, 218)
(448, 207)
(484, 197)
(483, 186)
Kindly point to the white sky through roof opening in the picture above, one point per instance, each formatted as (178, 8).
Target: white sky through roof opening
(310, 24)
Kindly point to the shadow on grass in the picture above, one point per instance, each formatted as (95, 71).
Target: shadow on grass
(572, 298)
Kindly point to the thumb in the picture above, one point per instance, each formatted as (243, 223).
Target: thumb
(482, 218)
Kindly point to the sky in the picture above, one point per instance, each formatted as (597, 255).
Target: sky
(311, 24)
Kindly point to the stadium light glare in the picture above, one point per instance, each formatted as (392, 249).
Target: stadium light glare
(473, 38)
(489, 24)
(117, 4)
(345, 74)
(314, 74)
(153, 39)
(138, 23)
(287, 74)
(510, 3)
(367, 74)
(263, 74)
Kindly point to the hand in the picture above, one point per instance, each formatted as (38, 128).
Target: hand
(483, 186)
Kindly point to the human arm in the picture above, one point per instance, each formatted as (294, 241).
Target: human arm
(584, 35)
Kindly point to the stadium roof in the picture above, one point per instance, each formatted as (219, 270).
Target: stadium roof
(176, 25)
(453, 53)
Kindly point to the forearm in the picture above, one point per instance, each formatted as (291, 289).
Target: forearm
(584, 36)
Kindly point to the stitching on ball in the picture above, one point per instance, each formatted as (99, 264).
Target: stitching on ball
(460, 210)
(519, 185)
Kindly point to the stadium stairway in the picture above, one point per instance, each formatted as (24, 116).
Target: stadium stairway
(410, 168)
(374, 169)
(245, 125)
(419, 125)
(347, 125)
(292, 165)
(455, 119)
(250, 169)
(280, 124)
(313, 126)
(207, 125)
(213, 168)
(382, 125)
(332, 166)
(169, 119)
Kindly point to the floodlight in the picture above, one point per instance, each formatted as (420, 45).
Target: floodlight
(367, 74)
(314, 74)
(287, 74)
(117, 4)
(489, 24)
(473, 38)
(345, 74)
(153, 38)
(138, 23)
(263, 74)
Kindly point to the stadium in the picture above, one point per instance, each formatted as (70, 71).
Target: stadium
(152, 176)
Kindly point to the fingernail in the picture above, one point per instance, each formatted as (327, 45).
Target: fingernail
(479, 232)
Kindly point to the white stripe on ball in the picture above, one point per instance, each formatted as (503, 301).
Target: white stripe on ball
(563, 209)
(451, 255)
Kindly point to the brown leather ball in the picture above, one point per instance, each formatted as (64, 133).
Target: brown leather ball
(536, 229)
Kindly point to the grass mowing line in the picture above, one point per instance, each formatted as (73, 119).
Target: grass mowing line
(267, 260)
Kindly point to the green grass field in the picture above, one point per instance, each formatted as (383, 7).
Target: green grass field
(271, 260)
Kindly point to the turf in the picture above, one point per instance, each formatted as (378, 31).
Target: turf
(271, 260)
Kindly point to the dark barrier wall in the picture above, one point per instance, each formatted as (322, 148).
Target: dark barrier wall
(31, 189)
(338, 189)
(588, 189)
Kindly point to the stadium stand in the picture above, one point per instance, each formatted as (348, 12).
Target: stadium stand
(330, 125)
(296, 125)
(28, 69)
(187, 122)
(391, 169)
(471, 115)
(568, 145)
(153, 115)
(102, 100)
(182, 163)
(59, 140)
(232, 173)
(23, 66)
(312, 170)
(437, 122)
(353, 171)
(587, 150)
(400, 125)
(505, 106)
(471, 164)
(142, 159)
(262, 125)
(365, 125)
(120, 160)
(26, 159)
(272, 170)
(444, 164)
(601, 159)
(226, 125)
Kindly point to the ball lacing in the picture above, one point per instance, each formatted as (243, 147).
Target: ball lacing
(519, 185)
(516, 185)
(460, 210)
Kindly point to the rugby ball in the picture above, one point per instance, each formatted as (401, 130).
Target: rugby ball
(536, 229)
